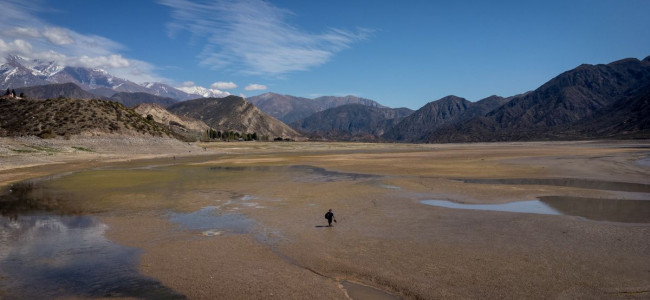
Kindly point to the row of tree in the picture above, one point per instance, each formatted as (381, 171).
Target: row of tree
(12, 93)
(234, 136)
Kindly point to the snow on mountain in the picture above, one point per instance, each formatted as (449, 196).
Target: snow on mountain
(164, 90)
(18, 71)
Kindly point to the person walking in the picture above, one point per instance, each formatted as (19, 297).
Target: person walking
(330, 216)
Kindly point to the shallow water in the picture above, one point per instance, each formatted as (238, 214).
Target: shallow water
(48, 256)
(569, 182)
(529, 206)
(612, 210)
(210, 221)
(50, 238)
(362, 292)
(301, 173)
(644, 162)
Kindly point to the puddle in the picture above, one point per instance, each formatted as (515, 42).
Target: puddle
(644, 162)
(208, 220)
(302, 173)
(612, 210)
(26, 197)
(315, 174)
(48, 256)
(362, 292)
(569, 182)
(530, 206)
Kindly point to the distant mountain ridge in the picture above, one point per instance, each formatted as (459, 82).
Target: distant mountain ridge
(133, 99)
(48, 91)
(289, 109)
(437, 114)
(351, 122)
(19, 72)
(233, 113)
(561, 108)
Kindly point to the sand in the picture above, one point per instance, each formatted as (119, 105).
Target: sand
(384, 238)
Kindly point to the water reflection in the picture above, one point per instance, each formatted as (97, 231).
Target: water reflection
(208, 221)
(569, 182)
(613, 210)
(47, 256)
(302, 173)
(530, 206)
(25, 197)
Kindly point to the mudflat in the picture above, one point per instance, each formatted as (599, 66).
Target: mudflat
(245, 220)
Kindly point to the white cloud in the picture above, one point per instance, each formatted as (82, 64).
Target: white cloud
(255, 87)
(111, 61)
(29, 32)
(222, 85)
(18, 46)
(254, 37)
(36, 39)
(57, 36)
(201, 91)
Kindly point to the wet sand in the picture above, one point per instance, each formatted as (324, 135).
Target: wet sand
(385, 238)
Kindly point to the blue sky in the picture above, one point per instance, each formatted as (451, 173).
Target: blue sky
(400, 53)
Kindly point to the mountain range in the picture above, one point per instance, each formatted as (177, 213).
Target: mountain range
(576, 104)
(437, 114)
(19, 72)
(354, 122)
(289, 109)
(590, 101)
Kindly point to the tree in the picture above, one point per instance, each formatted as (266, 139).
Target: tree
(212, 134)
(8, 92)
(22, 95)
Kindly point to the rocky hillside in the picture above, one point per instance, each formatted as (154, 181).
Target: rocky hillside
(65, 117)
(289, 109)
(433, 115)
(133, 99)
(351, 122)
(233, 113)
(187, 127)
(560, 108)
(66, 90)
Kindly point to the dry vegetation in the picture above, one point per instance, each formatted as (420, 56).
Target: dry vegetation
(65, 117)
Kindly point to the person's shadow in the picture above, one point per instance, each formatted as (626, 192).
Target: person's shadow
(321, 226)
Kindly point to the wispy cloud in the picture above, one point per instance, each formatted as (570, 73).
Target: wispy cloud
(22, 32)
(255, 87)
(255, 37)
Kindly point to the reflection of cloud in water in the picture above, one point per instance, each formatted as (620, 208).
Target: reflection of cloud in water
(207, 218)
(613, 210)
(45, 256)
(530, 206)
